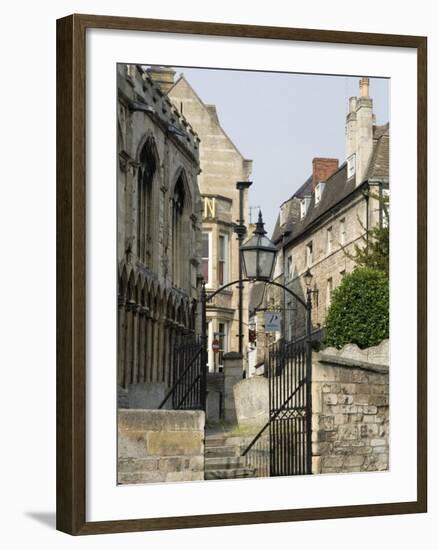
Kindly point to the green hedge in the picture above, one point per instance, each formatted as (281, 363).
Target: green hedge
(359, 311)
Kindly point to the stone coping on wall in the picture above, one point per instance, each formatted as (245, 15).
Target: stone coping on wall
(160, 420)
(232, 355)
(347, 362)
(375, 358)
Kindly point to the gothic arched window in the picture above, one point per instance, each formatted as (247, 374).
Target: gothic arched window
(146, 174)
(178, 245)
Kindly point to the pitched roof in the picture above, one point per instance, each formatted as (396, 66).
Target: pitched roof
(304, 191)
(337, 187)
(379, 163)
(276, 234)
(379, 131)
(210, 109)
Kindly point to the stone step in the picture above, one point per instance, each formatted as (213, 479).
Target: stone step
(215, 440)
(231, 473)
(223, 463)
(221, 451)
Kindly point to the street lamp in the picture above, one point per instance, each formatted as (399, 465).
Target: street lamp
(308, 278)
(240, 230)
(258, 254)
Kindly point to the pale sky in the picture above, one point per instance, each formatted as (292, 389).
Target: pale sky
(282, 121)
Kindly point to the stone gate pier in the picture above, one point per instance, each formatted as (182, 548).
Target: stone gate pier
(350, 421)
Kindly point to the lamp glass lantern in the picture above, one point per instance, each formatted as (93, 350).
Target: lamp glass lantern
(308, 278)
(258, 254)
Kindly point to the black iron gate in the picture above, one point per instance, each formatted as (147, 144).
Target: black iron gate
(289, 371)
(288, 432)
(188, 389)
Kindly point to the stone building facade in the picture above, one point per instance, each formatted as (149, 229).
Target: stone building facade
(318, 227)
(159, 221)
(222, 166)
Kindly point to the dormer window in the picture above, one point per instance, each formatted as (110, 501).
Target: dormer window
(329, 240)
(304, 205)
(290, 268)
(318, 191)
(351, 166)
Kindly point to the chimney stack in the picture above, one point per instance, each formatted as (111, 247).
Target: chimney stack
(351, 127)
(364, 136)
(359, 130)
(322, 169)
(163, 76)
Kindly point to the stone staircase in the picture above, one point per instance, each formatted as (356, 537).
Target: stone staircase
(223, 459)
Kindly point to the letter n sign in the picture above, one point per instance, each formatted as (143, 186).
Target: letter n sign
(209, 207)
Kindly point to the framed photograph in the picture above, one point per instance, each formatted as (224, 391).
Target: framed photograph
(241, 274)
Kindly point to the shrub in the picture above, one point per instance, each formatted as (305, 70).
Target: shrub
(372, 251)
(359, 312)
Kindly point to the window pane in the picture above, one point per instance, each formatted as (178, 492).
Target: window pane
(204, 270)
(205, 263)
(289, 267)
(342, 231)
(266, 260)
(329, 291)
(223, 260)
(205, 245)
(221, 273)
(223, 342)
(221, 247)
(309, 255)
(250, 262)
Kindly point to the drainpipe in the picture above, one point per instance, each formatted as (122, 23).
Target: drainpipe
(380, 205)
(366, 195)
(283, 255)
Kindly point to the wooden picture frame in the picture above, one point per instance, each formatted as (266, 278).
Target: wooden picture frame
(71, 274)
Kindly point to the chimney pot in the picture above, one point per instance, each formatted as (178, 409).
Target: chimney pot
(364, 86)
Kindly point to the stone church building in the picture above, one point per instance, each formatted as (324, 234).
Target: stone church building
(159, 234)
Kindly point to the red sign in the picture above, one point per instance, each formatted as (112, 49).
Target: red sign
(215, 346)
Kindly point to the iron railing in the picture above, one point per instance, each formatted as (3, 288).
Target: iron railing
(257, 455)
(188, 373)
(318, 335)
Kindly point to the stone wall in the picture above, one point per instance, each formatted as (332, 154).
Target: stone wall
(350, 423)
(159, 446)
